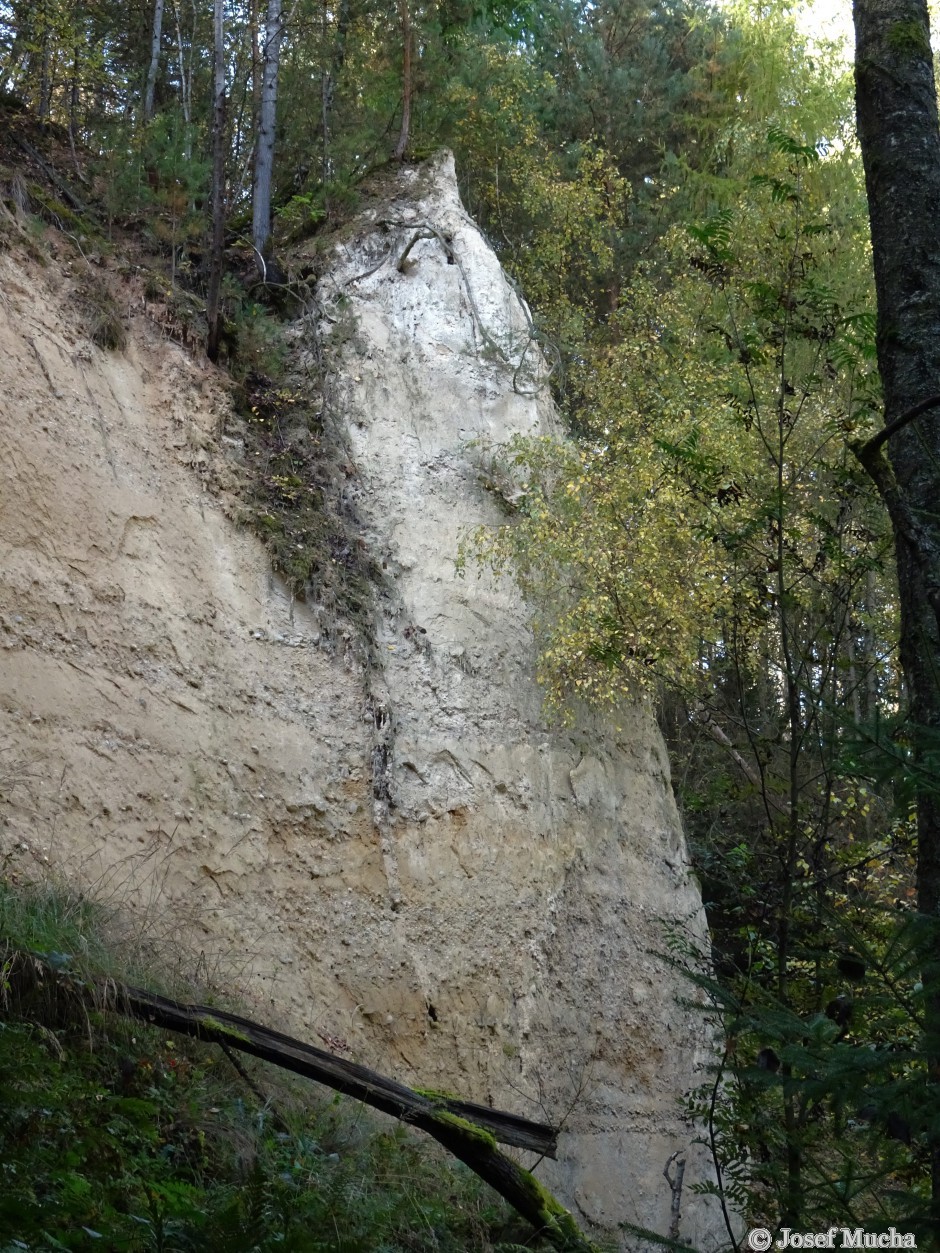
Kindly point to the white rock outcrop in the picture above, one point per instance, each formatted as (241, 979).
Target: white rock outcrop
(532, 873)
(410, 858)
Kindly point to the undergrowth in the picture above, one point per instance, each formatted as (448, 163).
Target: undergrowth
(116, 1136)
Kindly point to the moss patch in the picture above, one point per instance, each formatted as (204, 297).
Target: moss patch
(909, 39)
(469, 1130)
(224, 1028)
(554, 1214)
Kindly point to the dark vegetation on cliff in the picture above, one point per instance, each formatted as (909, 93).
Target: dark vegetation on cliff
(679, 193)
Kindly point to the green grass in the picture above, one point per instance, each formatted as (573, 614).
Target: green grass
(114, 1136)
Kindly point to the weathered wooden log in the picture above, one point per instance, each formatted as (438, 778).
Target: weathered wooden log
(467, 1130)
(207, 1023)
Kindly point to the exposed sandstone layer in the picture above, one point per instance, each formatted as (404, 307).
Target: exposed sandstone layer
(403, 854)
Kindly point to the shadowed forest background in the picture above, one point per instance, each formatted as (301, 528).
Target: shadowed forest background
(678, 191)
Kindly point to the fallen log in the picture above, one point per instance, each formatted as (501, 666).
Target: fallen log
(467, 1130)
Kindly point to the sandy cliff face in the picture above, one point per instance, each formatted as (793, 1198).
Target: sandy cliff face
(405, 854)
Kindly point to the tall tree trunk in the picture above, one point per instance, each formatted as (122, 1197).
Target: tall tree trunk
(74, 95)
(331, 78)
(264, 147)
(74, 100)
(256, 58)
(213, 308)
(155, 41)
(45, 77)
(900, 140)
(186, 82)
(406, 80)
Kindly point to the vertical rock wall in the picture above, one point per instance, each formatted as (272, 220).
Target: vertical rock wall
(402, 854)
(531, 874)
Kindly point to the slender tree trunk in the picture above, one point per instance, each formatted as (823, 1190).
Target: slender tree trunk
(154, 66)
(406, 80)
(74, 100)
(870, 652)
(331, 78)
(255, 83)
(74, 95)
(900, 140)
(213, 309)
(186, 89)
(256, 59)
(45, 78)
(264, 148)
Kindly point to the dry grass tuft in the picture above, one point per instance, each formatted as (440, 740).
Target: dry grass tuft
(101, 319)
